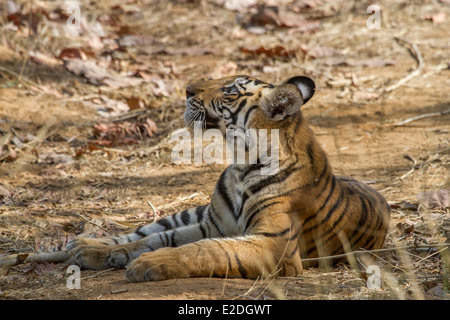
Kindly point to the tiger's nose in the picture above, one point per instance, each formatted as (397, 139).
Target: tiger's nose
(189, 92)
(194, 88)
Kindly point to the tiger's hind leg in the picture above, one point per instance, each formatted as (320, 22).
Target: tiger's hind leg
(119, 255)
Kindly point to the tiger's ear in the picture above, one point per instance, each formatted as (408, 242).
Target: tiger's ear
(287, 98)
(305, 85)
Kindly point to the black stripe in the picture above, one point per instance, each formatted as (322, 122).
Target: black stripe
(172, 240)
(251, 213)
(241, 105)
(310, 151)
(225, 251)
(241, 268)
(167, 239)
(216, 225)
(336, 205)
(244, 199)
(166, 224)
(361, 221)
(140, 233)
(277, 178)
(199, 212)
(330, 193)
(161, 239)
(344, 211)
(365, 220)
(174, 218)
(247, 114)
(185, 217)
(274, 234)
(202, 230)
(294, 251)
(223, 191)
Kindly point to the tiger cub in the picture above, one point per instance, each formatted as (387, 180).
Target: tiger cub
(256, 224)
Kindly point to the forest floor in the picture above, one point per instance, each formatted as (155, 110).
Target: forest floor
(87, 112)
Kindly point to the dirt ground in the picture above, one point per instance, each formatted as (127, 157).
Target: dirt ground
(85, 148)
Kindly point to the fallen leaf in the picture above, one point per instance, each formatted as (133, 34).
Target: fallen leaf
(319, 51)
(236, 5)
(266, 15)
(72, 53)
(5, 192)
(134, 103)
(8, 153)
(375, 62)
(439, 17)
(365, 96)
(98, 75)
(277, 50)
(124, 133)
(434, 199)
(136, 41)
(45, 59)
(55, 158)
(405, 227)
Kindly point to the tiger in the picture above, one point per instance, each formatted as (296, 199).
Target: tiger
(256, 225)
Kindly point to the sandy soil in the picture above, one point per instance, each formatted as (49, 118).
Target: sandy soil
(60, 175)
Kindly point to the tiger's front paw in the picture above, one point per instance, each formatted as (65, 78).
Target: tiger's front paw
(99, 257)
(152, 266)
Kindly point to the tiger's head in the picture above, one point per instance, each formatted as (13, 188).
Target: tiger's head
(243, 102)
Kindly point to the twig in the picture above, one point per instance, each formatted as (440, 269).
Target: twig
(91, 222)
(27, 52)
(416, 72)
(179, 201)
(38, 257)
(422, 116)
(344, 255)
(98, 273)
(155, 214)
(21, 79)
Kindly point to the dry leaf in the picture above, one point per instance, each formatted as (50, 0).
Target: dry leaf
(125, 133)
(98, 75)
(319, 51)
(55, 158)
(375, 62)
(405, 227)
(266, 15)
(275, 51)
(236, 5)
(136, 41)
(134, 103)
(435, 199)
(45, 59)
(439, 17)
(72, 53)
(365, 96)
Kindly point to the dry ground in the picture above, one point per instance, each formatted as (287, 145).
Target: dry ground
(62, 174)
